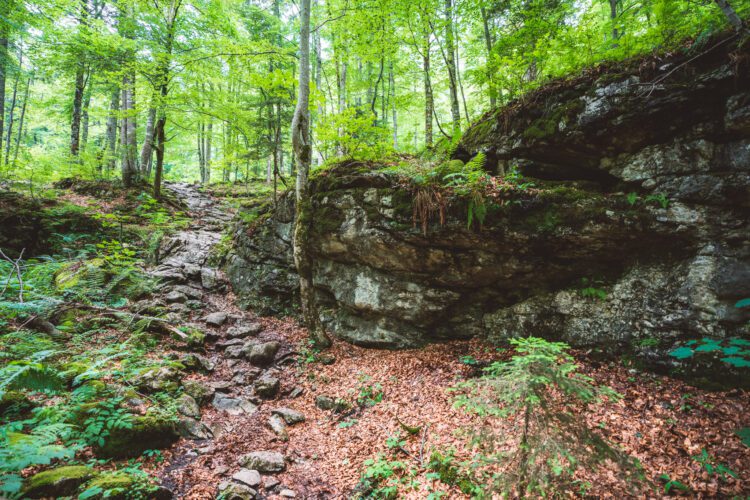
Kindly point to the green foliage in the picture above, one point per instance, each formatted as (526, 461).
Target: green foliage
(713, 467)
(383, 477)
(370, 394)
(591, 288)
(356, 134)
(744, 435)
(541, 390)
(670, 484)
(733, 351)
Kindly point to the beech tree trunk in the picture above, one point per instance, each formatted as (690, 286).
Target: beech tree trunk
(85, 113)
(128, 143)
(11, 111)
(730, 14)
(148, 141)
(114, 107)
(451, 64)
(75, 123)
(429, 102)
(303, 152)
(21, 120)
(488, 44)
(4, 29)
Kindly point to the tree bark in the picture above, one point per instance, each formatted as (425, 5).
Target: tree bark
(730, 14)
(21, 120)
(303, 152)
(75, 123)
(394, 115)
(429, 102)
(488, 44)
(166, 59)
(451, 64)
(4, 34)
(85, 113)
(11, 111)
(148, 141)
(114, 106)
(128, 130)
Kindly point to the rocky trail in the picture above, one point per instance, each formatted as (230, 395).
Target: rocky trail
(238, 404)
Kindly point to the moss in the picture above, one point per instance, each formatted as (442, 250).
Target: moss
(112, 484)
(59, 482)
(545, 221)
(15, 402)
(148, 432)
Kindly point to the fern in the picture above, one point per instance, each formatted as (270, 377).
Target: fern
(30, 374)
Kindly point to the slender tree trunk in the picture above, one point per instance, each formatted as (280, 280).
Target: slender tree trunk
(11, 111)
(207, 151)
(451, 63)
(731, 14)
(394, 107)
(429, 103)
(85, 112)
(128, 143)
(114, 106)
(490, 71)
(303, 221)
(4, 33)
(75, 124)
(21, 120)
(148, 139)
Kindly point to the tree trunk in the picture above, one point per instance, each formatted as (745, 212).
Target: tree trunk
(394, 107)
(429, 103)
(75, 123)
(114, 106)
(302, 152)
(21, 120)
(207, 151)
(128, 130)
(731, 14)
(11, 111)
(451, 64)
(4, 29)
(85, 113)
(488, 45)
(148, 140)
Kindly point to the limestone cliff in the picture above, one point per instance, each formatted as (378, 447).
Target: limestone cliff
(636, 234)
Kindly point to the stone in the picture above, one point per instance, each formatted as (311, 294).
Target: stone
(221, 385)
(148, 432)
(234, 491)
(328, 403)
(326, 358)
(245, 330)
(187, 406)
(235, 351)
(175, 296)
(57, 482)
(267, 386)
(158, 379)
(296, 392)
(233, 406)
(210, 279)
(194, 361)
(189, 291)
(289, 415)
(270, 482)
(216, 319)
(264, 461)
(199, 391)
(261, 354)
(247, 477)
(287, 493)
(190, 428)
(278, 426)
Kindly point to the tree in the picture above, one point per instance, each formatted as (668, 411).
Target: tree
(303, 153)
(542, 391)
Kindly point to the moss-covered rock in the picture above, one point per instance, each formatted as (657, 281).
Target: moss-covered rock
(15, 402)
(111, 485)
(58, 482)
(148, 432)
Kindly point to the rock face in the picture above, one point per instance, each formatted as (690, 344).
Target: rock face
(635, 233)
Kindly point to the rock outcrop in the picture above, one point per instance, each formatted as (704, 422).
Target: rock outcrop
(635, 233)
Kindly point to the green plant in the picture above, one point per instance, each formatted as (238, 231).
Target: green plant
(382, 477)
(591, 288)
(541, 390)
(632, 198)
(369, 394)
(733, 351)
(714, 467)
(659, 199)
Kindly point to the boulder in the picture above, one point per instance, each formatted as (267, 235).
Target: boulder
(58, 482)
(233, 406)
(267, 386)
(148, 432)
(261, 354)
(175, 296)
(235, 491)
(289, 415)
(264, 461)
(278, 426)
(244, 330)
(216, 319)
(199, 391)
(188, 406)
(247, 477)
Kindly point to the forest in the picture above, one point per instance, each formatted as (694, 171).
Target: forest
(374, 249)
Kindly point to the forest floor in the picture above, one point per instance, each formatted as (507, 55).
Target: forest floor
(680, 435)
(338, 419)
